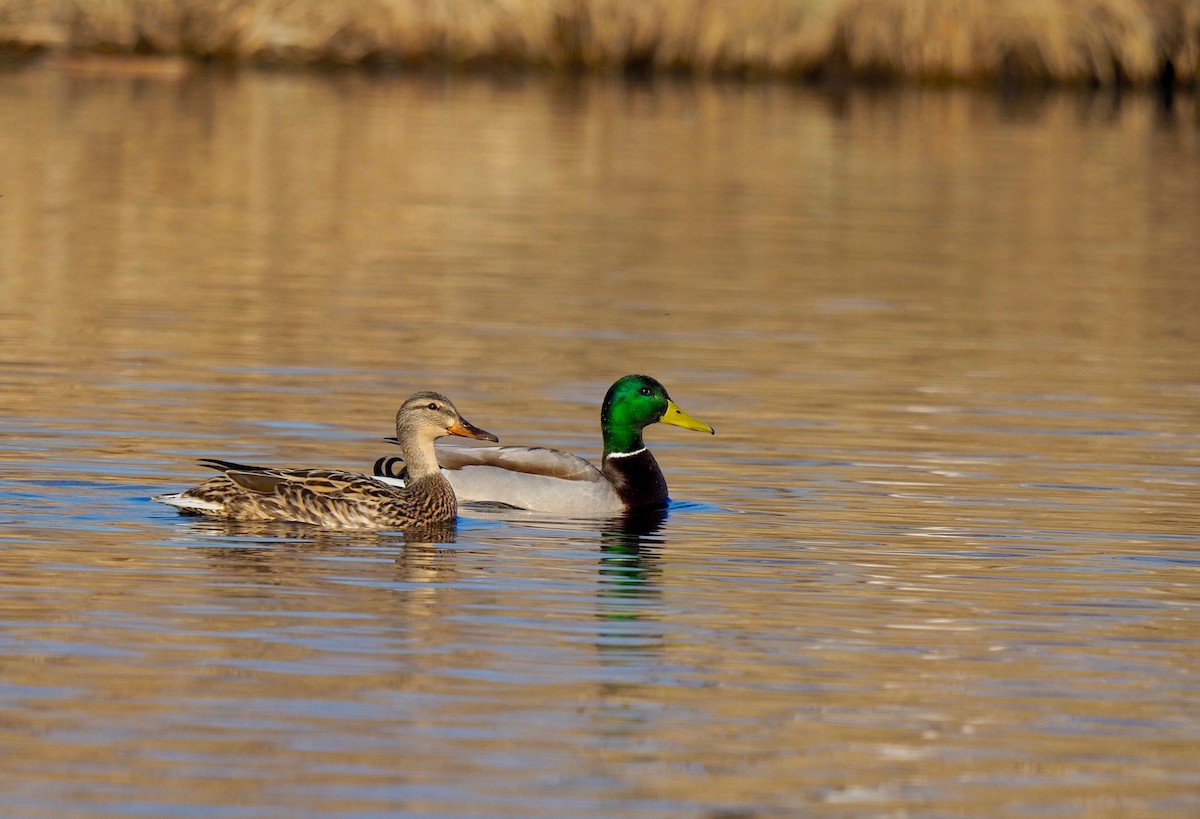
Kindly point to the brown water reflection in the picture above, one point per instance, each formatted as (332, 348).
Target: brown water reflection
(940, 559)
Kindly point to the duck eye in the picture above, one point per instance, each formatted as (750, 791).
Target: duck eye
(432, 406)
(645, 391)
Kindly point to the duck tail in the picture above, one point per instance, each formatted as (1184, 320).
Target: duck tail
(393, 467)
(188, 503)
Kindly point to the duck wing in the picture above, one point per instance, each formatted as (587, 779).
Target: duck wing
(550, 463)
(323, 483)
(330, 483)
(225, 497)
(532, 460)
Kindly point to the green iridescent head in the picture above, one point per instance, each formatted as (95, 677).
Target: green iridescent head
(634, 403)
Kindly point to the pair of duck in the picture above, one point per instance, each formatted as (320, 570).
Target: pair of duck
(435, 480)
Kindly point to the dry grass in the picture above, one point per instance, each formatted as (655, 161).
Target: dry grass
(1072, 41)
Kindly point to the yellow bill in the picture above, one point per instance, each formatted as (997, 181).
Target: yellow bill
(678, 418)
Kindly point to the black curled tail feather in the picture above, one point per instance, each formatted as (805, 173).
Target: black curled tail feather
(393, 467)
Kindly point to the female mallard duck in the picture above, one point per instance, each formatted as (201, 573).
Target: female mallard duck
(547, 480)
(327, 497)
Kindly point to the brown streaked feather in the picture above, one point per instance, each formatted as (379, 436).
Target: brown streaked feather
(325, 498)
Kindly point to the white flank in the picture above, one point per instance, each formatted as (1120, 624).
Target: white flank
(537, 493)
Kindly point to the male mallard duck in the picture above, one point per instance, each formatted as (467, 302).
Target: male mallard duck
(547, 480)
(327, 497)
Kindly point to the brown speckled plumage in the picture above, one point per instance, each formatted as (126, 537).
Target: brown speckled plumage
(344, 500)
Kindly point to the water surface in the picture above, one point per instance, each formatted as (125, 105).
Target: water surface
(941, 558)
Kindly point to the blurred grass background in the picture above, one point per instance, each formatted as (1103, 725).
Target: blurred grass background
(1095, 42)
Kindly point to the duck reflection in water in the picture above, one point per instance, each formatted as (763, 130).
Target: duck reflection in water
(629, 590)
(279, 560)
